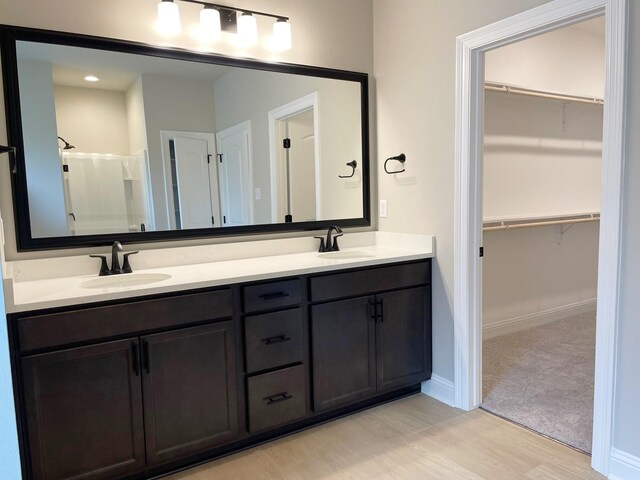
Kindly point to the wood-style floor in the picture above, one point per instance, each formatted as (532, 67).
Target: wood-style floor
(412, 438)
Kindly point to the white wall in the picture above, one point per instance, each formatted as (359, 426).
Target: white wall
(44, 170)
(331, 33)
(93, 120)
(189, 108)
(250, 94)
(414, 45)
(535, 270)
(541, 157)
(569, 60)
(9, 456)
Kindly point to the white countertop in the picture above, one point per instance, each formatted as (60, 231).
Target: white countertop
(27, 290)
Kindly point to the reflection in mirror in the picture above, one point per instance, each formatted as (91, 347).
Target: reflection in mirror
(157, 144)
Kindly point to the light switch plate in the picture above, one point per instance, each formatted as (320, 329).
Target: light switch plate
(383, 209)
(258, 194)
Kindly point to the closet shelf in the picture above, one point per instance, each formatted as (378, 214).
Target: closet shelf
(502, 88)
(539, 222)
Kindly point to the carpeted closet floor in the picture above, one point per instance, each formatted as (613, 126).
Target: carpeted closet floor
(542, 378)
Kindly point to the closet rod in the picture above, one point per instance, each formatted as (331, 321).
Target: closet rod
(497, 87)
(560, 221)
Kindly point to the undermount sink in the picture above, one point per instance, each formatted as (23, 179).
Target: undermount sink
(345, 255)
(125, 280)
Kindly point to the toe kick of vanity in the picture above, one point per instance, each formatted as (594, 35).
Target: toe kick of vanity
(138, 388)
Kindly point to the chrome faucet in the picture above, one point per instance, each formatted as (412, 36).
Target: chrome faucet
(115, 262)
(329, 245)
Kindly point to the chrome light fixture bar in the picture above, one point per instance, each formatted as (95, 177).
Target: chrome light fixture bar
(216, 18)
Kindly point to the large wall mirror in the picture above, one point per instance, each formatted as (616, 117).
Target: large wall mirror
(124, 141)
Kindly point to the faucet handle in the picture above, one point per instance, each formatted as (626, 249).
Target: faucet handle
(335, 247)
(322, 248)
(126, 267)
(104, 269)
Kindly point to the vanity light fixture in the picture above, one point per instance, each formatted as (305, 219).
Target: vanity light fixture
(168, 18)
(210, 26)
(281, 39)
(215, 18)
(91, 78)
(247, 29)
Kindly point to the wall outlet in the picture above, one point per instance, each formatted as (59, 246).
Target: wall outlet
(383, 209)
(258, 194)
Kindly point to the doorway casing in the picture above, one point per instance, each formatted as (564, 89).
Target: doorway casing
(470, 49)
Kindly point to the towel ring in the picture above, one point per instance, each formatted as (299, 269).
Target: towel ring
(353, 164)
(400, 158)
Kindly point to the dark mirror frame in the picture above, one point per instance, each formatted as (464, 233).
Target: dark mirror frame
(9, 35)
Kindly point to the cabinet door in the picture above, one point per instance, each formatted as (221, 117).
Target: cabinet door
(403, 338)
(343, 346)
(189, 380)
(84, 412)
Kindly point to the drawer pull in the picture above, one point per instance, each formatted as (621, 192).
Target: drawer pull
(277, 339)
(281, 397)
(274, 295)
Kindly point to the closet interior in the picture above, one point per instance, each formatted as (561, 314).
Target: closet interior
(541, 212)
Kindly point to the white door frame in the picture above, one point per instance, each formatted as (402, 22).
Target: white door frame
(210, 138)
(281, 113)
(470, 50)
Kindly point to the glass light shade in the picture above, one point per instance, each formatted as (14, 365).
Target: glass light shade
(247, 30)
(209, 23)
(281, 39)
(168, 18)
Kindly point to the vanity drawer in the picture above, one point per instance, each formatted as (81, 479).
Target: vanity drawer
(64, 328)
(270, 295)
(273, 339)
(276, 398)
(371, 280)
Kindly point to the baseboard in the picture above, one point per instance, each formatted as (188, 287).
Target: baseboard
(623, 466)
(511, 325)
(441, 389)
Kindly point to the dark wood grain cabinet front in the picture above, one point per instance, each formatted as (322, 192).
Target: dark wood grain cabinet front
(370, 344)
(84, 412)
(137, 389)
(189, 380)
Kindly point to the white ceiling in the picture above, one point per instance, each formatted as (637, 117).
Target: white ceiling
(117, 71)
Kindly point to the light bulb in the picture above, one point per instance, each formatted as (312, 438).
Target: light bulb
(281, 39)
(247, 29)
(168, 18)
(209, 23)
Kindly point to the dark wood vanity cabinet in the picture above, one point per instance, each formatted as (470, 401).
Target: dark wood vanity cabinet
(370, 344)
(84, 412)
(189, 390)
(131, 390)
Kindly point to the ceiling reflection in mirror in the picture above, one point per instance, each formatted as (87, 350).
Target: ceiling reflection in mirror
(118, 143)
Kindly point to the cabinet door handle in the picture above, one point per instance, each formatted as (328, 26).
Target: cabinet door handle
(380, 314)
(371, 309)
(276, 339)
(135, 358)
(273, 295)
(280, 397)
(145, 356)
